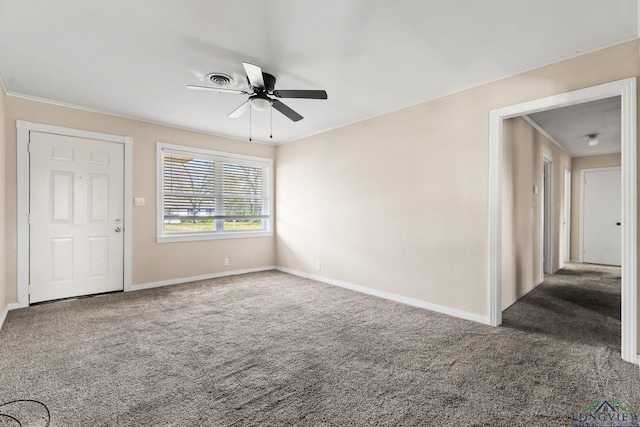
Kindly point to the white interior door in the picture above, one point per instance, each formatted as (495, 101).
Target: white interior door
(76, 217)
(601, 213)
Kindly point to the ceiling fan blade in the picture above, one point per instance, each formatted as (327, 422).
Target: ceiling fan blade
(308, 94)
(254, 73)
(217, 89)
(240, 110)
(286, 110)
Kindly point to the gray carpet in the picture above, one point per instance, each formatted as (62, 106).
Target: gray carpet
(273, 349)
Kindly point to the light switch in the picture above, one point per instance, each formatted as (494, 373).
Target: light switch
(139, 201)
(535, 189)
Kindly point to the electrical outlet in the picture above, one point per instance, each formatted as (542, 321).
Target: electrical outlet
(226, 261)
(318, 265)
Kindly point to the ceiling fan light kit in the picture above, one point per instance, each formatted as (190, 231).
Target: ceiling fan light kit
(592, 139)
(260, 102)
(262, 90)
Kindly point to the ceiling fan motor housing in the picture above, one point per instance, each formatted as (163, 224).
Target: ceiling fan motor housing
(269, 82)
(260, 101)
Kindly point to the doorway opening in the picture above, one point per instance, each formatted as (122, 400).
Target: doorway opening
(626, 89)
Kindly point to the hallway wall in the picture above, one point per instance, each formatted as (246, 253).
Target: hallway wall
(522, 208)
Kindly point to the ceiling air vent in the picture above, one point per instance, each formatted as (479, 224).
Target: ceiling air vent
(220, 79)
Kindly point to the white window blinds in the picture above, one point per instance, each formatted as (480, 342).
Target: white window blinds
(207, 192)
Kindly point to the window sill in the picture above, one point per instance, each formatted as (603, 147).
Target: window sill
(212, 236)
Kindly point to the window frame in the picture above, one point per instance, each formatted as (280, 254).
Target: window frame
(162, 237)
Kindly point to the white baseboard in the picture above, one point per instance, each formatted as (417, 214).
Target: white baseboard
(509, 304)
(9, 307)
(196, 278)
(392, 297)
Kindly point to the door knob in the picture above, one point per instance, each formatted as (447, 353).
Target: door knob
(618, 223)
(118, 229)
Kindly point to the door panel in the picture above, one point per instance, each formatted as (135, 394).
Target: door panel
(76, 203)
(62, 254)
(99, 256)
(602, 211)
(99, 198)
(62, 196)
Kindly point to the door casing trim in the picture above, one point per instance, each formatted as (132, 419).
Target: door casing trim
(23, 130)
(566, 220)
(548, 219)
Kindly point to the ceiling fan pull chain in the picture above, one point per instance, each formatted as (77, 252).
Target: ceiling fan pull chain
(250, 124)
(271, 122)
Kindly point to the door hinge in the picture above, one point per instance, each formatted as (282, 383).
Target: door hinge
(29, 147)
(29, 218)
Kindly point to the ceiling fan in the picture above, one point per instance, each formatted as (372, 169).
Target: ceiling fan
(263, 90)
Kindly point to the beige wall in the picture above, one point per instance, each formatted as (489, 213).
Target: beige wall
(3, 205)
(152, 261)
(398, 203)
(522, 217)
(577, 164)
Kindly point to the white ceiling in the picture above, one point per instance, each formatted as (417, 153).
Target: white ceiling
(570, 126)
(135, 57)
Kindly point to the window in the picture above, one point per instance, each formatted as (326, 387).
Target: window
(206, 194)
